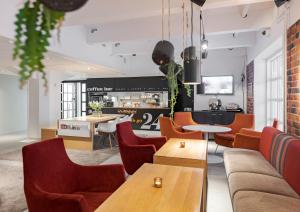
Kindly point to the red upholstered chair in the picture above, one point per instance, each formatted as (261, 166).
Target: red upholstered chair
(135, 151)
(52, 182)
(240, 121)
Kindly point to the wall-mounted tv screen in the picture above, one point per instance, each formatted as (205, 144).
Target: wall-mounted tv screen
(218, 85)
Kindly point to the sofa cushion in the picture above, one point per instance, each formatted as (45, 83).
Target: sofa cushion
(244, 181)
(253, 201)
(278, 151)
(243, 160)
(266, 139)
(94, 199)
(291, 171)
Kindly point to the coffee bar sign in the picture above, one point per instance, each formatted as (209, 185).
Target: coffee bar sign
(131, 84)
(74, 128)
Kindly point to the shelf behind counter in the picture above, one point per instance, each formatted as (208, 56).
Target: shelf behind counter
(143, 118)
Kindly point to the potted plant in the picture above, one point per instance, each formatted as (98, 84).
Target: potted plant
(96, 107)
(34, 23)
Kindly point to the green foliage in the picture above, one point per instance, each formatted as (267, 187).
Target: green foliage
(33, 29)
(175, 71)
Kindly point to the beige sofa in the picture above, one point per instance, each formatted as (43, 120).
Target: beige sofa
(256, 185)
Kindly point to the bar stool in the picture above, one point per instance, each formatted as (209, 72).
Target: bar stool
(108, 128)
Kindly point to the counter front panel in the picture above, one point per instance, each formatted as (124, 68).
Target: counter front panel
(143, 118)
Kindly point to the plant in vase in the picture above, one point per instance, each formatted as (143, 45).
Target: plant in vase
(96, 107)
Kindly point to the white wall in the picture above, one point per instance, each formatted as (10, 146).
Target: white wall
(13, 105)
(265, 46)
(223, 62)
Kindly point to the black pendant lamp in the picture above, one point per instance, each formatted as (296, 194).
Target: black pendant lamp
(199, 2)
(191, 63)
(163, 51)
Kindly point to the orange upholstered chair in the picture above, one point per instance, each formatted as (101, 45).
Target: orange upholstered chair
(167, 129)
(184, 118)
(240, 121)
(249, 139)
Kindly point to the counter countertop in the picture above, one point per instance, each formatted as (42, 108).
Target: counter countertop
(95, 119)
(133, 108)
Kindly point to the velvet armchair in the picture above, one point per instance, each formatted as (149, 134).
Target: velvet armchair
(52, 182)
(249, 139)
(135, 150)
(168, 129)
(184, 118)
(240, 121)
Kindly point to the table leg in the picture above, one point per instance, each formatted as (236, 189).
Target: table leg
(205, 136)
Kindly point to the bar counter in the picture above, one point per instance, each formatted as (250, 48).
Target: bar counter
(78, 132)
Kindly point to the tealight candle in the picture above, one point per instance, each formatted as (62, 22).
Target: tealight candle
(157, 182)
(182, 144)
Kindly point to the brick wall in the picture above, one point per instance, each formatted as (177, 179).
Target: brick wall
(249, 84)
(293, 79)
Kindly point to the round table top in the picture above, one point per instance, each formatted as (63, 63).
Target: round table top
(207, 128)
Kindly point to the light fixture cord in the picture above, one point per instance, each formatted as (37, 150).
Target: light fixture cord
(162, 18)
(201, 19)
(200, 57)
(192, 23)
(169, 20)
(183, 28)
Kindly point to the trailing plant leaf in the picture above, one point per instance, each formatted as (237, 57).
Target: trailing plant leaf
(174, 73)
(33, 29)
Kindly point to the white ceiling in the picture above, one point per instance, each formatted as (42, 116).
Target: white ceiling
(136, 25)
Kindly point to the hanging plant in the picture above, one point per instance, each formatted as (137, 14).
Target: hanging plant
(34, 24)
(33, 29)
(174, 72)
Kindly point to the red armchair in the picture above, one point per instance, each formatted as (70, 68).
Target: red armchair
(52, 182)
(135, 151)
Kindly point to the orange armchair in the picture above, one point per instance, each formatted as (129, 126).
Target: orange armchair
(240, 121)
(168, 130)
(183, 119)
(249, 139)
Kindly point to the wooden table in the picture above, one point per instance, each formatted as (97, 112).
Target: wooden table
(193, 155)
(181, 191)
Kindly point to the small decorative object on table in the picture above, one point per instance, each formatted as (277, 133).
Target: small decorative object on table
(157, 182)
(182, 144)
(96, 107)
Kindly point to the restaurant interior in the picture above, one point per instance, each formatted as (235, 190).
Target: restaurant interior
(150, 106)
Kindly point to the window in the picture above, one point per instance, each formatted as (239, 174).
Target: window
(275, 90)
(68, 97)
(83, 99)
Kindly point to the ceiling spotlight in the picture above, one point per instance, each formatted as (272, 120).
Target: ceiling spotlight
(204, 44)
(93, 30)
(133, 55)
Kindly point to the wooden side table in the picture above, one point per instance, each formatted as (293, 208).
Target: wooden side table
(194, 154)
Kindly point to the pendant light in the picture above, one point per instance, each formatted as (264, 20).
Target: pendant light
(163, 51)
(191, 63)
(200, 86)
(203, 40)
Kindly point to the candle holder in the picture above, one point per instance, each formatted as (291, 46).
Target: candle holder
(182, 144)
(157, 182)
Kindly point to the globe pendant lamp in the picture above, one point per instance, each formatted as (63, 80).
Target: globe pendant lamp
(163, 52)
(64, 5)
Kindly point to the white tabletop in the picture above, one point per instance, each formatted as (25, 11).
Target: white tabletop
(207, 128)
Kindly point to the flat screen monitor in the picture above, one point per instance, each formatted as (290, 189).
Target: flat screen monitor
(218, 85)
